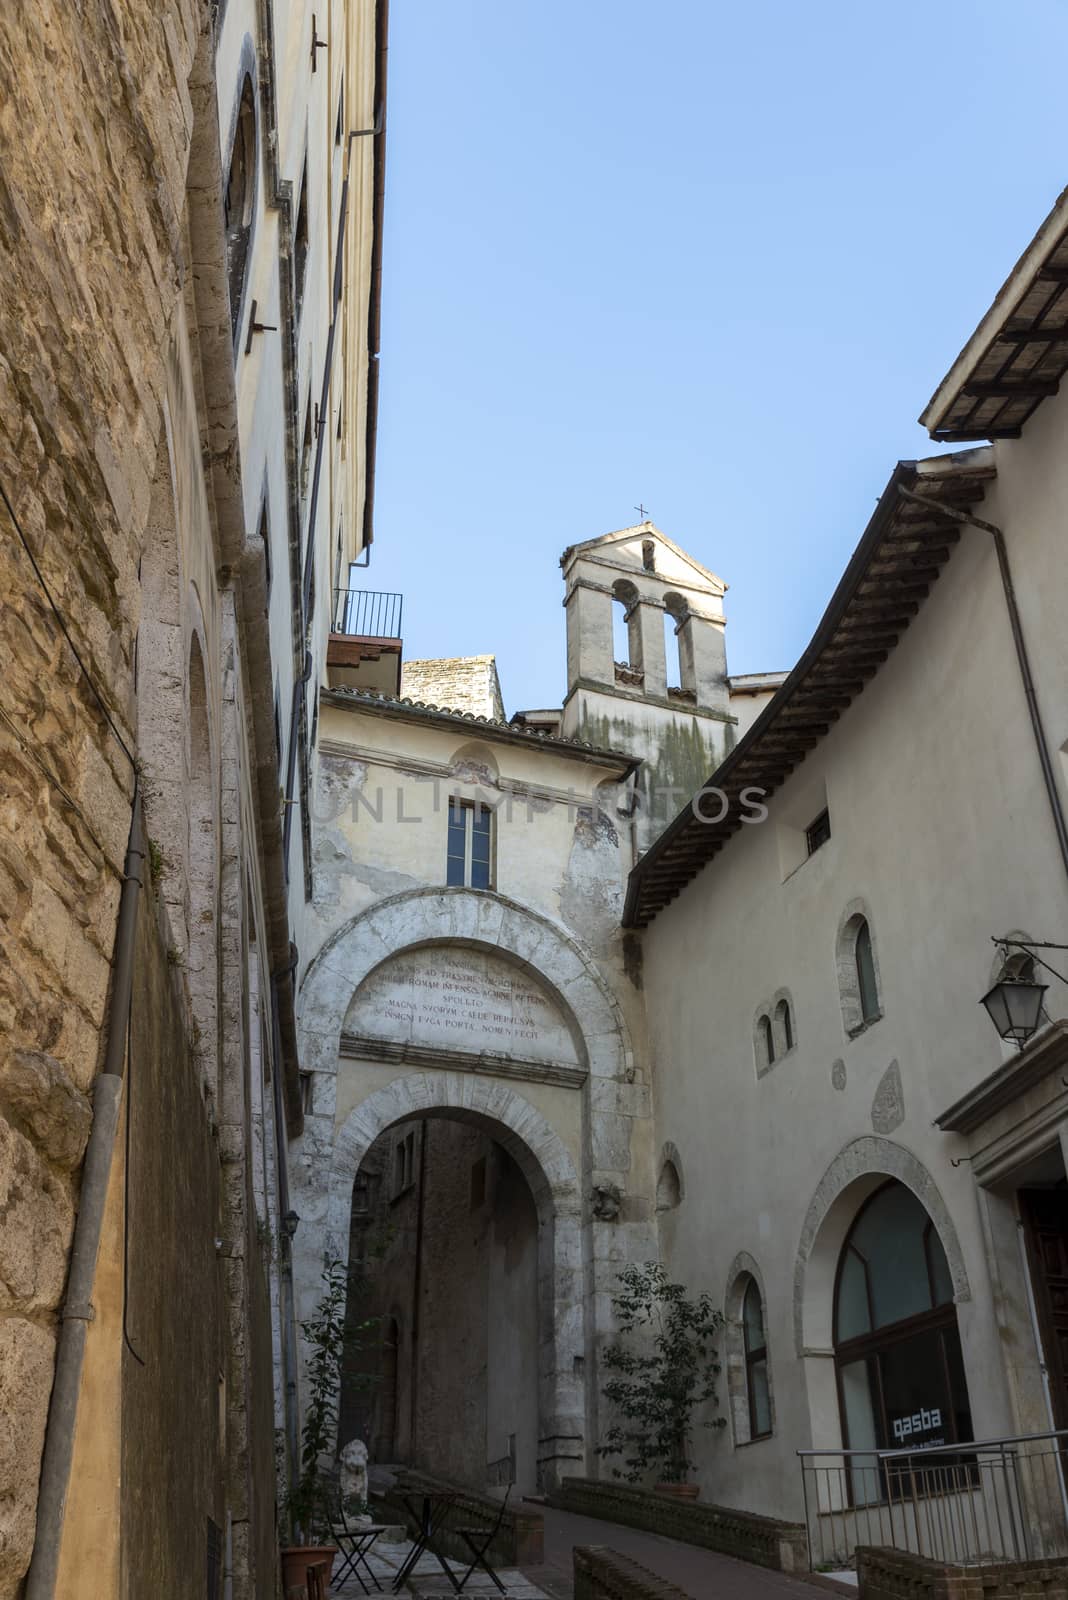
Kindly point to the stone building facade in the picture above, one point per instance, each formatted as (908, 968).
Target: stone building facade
(479, 1125)
(188, 231)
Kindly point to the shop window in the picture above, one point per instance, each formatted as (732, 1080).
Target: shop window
(897, 1347)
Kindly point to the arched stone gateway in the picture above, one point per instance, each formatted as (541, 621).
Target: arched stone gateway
(553, 1182)
(530, 1016)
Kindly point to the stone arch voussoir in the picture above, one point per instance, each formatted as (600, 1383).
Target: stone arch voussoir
(869, 1158)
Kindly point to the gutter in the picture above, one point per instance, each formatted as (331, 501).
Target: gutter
(77, 1312)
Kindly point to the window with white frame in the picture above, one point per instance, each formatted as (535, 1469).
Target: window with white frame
(469, 853)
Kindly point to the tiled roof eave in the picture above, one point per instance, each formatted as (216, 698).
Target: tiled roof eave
(490, 727)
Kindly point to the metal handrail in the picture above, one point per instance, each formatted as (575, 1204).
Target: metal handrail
(368, 613)
(969, 1445)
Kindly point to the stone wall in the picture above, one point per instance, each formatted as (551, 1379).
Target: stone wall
(460, 683)
(602, 1574)
(95, 127)
(898, 1575)
(763, 1540)
(172, 1349)
(449, 1258)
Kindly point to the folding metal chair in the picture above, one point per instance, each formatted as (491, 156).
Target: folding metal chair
(354, 1540)
(478, 1541)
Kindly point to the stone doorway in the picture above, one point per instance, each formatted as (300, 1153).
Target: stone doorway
(443, 1245)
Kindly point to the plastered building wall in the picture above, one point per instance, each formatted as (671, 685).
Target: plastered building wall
(541, 992)
(942, 836)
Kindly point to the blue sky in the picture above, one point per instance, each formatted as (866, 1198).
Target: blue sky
(712, 258)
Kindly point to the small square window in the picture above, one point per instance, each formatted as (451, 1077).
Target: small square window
(818, 832)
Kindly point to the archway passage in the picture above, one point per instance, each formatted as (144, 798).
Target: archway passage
(444, 1321)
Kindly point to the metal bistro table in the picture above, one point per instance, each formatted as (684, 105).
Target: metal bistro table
(428, 1518)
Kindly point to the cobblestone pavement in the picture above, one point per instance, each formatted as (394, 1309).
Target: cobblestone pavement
(429, 1582)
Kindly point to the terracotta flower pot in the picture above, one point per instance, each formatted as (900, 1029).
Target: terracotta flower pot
(297, 1558)
(678, 1491)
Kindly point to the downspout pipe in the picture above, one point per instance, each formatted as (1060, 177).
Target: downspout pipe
(1049, 776)
(285, 1247)
(77, 1311)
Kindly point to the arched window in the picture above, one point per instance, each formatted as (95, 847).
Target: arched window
(857, 959)
(240, 198)
(765, 1042)
(668, 1188)
(867, 989)
(897, 1349)
(301, 242)
(756, 1363)
(784, 1018)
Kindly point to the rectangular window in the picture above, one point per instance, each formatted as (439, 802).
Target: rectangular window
(818, 832)
(470, 845)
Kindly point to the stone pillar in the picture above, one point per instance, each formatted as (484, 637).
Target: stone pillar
(654, 659)
(703, 661)
(589, 635)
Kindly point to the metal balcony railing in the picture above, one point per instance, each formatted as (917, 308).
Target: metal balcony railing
(977, 1504)
(367, 613)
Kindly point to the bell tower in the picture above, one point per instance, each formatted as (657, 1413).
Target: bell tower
(668, 701)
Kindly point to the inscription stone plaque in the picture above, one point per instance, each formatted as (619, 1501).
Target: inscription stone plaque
(462, 1000)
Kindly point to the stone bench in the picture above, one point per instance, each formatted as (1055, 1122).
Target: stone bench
(765, 1541)
(884, 1574)
(602, 1574)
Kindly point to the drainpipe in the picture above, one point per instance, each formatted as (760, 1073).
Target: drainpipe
(1049, 777)
(285, 1244)
(417, 1282)
(77, 1310)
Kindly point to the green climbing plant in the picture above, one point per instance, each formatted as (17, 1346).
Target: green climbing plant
(663, 1368)
(311, 1505)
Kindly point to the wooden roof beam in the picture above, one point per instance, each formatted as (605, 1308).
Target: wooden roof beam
(1013, 388)
(1032, 335)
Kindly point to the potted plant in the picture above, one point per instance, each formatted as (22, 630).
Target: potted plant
(311, 1506)
(664, 1369)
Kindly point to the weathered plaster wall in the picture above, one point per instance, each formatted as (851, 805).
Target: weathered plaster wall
(931, 779)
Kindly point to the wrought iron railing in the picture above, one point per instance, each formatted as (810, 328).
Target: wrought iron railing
(986, 1502)
(368, 613)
